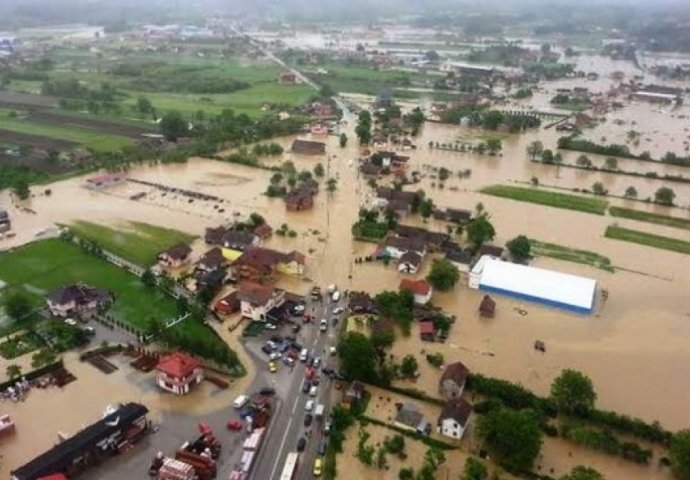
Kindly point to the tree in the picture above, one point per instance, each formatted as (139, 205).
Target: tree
(13, 371)
(598, 188)
(326, 91)
(331, 185)
(358, 357)
(494, 145)
(426, 207)
(408, 367)
(17, 306)
(664, 196)
(20, 187)
(512, 438)
(432, 56)
(144, 105)
(534, 149)
(173, 126)
(630, 192)
(573, 392)
(583, 161)
(443, 275)
(492, 119)
(319, 170)
(365, 453)
(547, 156)
(443, 174)
(480, 230)
(474, 470)
(611, 163)
(148, 278)
(519, 247)
(679, 453)
(42, 358)
(395, 444)
(343, 140)
(558, 159)
(583, 473)
(406, 474)
(256, 219)
(381, 462)
(277, 178)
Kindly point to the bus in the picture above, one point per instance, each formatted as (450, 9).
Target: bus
(290, 468)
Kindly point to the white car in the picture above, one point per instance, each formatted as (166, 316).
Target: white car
(324, 325)
(309, 406)
(70, 321)
(299, 308)
(274, 356)
(303, 355)
(338, 310)
(271, 326)
(313, 391)
(317, 362)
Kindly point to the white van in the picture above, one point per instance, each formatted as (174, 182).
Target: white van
(240, 401)
(303, 355)
(336, 296)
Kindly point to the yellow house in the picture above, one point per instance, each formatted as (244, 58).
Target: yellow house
(231, 255)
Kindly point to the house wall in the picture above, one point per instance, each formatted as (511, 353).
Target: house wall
(61, 310)
(422, 299)
(451, 428)
(407, 268)
(404, 426)
(179, 386)
(291, 268)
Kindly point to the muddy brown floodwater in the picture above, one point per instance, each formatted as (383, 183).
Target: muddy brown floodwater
(635, 347)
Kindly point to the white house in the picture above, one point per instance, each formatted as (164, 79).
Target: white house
(421, 290)
(257, 300)
(454, 418)
(409, 262)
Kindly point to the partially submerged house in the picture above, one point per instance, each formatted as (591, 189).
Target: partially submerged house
(239, 240)
(299, 199)
(409, 262)
(77, 300)
(353, 395)
(179, 372)
(454, 418)
(396, 247)
(361, 303)
(370, 171)
(214, 235)
(261, 264)
(228, 305)
(462, 259)
(433, 241)
(308, 147)
(410, 418)
(116, 432)
(108, 180)
(257, 300)
(175, 256)
(453, 380)
(421, 290)
(427, 331)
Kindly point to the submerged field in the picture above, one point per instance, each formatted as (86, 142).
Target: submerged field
(649, 217)
(550, 199)
(135, 241)
(569, 254)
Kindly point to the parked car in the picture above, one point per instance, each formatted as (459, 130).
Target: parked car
(270, 326)
(327, 427)
(240, 401)
(298, 310)
(303, 355)
(324, 325)
(313, 390)
(317, 362)
(274, 355)
(338, 310)
(289, 361)
(306, 387)
(322, 447)
(276, 338)
(234, 425)
(301, 444)
(308, 418)
(296, 327)
(272, 367)
(317, 467)
(267, 391)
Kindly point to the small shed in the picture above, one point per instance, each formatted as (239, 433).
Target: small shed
(427, 331)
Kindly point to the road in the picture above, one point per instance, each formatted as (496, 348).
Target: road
(287, 424)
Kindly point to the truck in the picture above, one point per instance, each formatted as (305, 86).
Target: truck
(318, 413)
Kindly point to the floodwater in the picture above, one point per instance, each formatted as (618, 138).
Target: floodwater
(634, 347)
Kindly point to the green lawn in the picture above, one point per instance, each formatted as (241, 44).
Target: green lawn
(88, 138)
(248, 101)
(648, 239)
(136, 242)
(650, 217)
(551, 199)
(43, 266)
(569, 254)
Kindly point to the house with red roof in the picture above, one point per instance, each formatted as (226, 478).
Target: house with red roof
(179, 372)
(421, 290)
(427, 331)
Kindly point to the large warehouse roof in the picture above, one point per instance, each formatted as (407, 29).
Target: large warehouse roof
(535, 284)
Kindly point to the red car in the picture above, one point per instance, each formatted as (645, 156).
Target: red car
(234, 425)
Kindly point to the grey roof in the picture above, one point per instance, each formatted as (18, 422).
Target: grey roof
(78, 293)
(412, 258)
(409, 415)
(238, 239)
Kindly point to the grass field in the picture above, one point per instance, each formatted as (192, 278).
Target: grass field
(569, 254)
(42, 266)
(91, 139)
(650, 217)
(551, 199)
(648, 239)
(136, 242)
